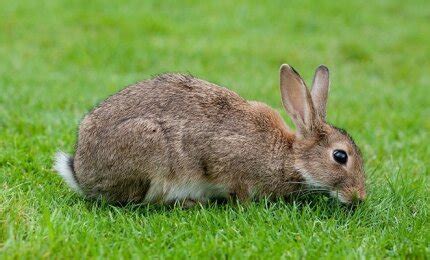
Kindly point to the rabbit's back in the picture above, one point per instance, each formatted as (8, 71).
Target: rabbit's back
(174, 135)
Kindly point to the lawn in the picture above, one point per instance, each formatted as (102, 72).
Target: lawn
(59, 58)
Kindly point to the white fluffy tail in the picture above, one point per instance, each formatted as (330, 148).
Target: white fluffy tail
(64, 166)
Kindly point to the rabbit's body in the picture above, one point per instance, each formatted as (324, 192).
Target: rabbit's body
(177, 138)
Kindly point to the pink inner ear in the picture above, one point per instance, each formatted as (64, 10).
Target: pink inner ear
(297, 103)
(297, 99)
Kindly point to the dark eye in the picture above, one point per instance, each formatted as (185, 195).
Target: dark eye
(340, 156)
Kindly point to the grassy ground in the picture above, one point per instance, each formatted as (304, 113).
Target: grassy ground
(58, 58)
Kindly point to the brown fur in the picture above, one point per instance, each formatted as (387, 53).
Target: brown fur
(179, 129)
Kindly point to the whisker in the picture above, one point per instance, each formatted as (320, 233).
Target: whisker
(307, 191)
(297, 182)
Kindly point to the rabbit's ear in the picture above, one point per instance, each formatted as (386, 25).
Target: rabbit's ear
(319, 92)
(297, 100)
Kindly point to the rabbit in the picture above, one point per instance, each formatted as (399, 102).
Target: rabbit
(176, 138)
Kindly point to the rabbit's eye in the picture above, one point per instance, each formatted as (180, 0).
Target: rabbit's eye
(340, 156)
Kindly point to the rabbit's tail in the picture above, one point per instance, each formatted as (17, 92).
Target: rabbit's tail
(64, 167)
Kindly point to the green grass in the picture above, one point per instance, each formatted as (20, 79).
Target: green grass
(59, 58)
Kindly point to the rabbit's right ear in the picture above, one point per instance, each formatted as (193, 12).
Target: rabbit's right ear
(297, 100)
(319, 92)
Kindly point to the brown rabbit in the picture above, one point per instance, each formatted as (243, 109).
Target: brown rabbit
(178, 138)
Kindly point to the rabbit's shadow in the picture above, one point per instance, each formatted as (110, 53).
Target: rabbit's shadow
(325, 206)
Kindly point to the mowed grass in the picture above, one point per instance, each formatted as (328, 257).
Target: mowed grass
(59, 58)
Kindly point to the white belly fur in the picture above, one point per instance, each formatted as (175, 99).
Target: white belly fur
(170, 191)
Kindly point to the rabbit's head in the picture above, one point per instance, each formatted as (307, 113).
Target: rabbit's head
(325, 156)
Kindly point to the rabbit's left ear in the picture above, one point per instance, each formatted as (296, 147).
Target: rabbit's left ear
(319, 92)
(297, 100)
